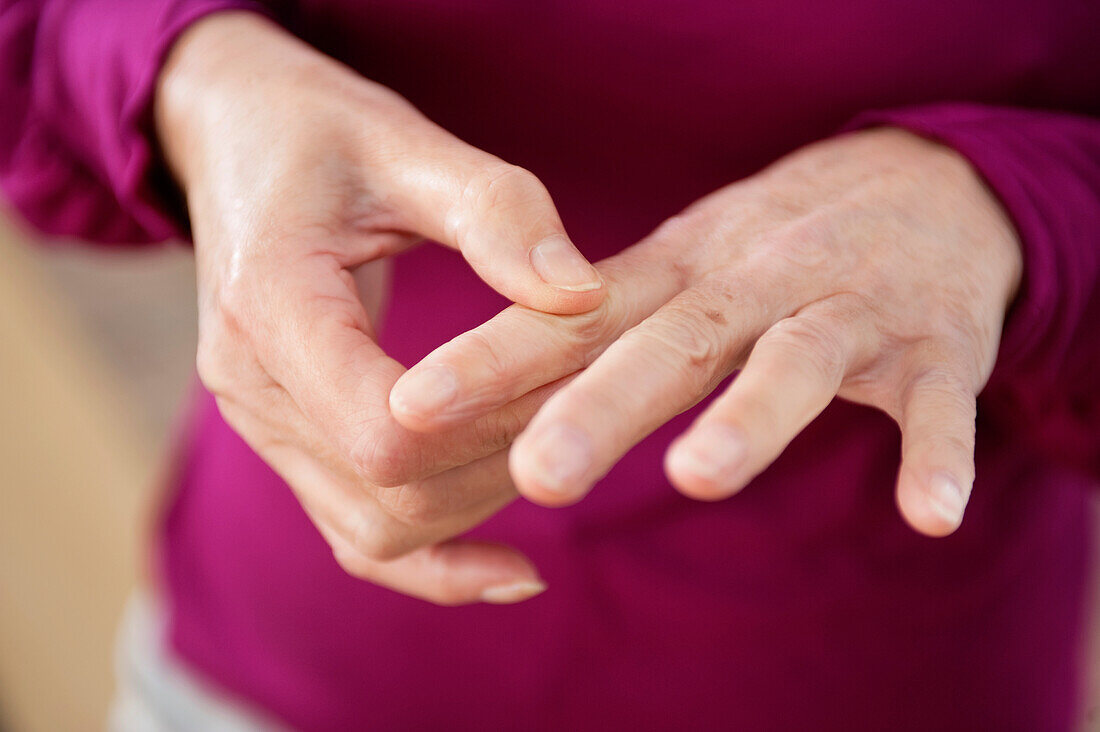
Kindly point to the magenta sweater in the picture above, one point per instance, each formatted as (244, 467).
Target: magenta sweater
(803, 603)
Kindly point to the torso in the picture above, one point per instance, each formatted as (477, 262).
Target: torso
(790, 606)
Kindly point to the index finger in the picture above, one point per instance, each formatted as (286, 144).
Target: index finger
(522, 349)
(315, 342)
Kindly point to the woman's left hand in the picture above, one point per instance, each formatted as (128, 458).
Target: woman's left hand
(873, 266)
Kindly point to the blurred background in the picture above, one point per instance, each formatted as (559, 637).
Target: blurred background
(96, 356)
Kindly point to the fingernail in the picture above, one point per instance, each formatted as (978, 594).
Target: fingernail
(558, 263)
(426, 390)
(560, 455)
(513, 592)
(946, 498)
(713, 452)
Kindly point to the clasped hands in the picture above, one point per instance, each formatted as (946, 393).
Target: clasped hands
(873, 266)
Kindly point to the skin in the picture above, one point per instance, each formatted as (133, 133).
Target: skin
(874, 266)
(301, 178)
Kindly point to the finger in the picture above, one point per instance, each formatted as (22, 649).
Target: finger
(412, 456)
(463, 571)
(937, 436)
(403, 518)
(339, 380)
(387, 525)
(457, 572)
(501, 218)
(521, 349)
(452, 573)
(793, 372)
(653, 372)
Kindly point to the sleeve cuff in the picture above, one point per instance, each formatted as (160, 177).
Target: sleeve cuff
(107, 59)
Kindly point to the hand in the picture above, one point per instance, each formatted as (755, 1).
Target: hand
(300, 178)
(873, 266)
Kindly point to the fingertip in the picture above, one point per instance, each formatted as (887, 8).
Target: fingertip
(420, 396)
(479, 571)
(680, 469)
(549, 467)
(933, 506)
(707, 463)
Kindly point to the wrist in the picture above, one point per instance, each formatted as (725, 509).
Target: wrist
(237, 88)
(217, 78)
(976, 204)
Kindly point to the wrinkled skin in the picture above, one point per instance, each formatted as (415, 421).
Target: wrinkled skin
(874, 266)
(300, 179)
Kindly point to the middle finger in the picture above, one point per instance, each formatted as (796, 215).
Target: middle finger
(387, 523)
(652, 373)
(521, 349)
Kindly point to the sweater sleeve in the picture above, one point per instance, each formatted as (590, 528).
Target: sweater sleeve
(77, 151)
(1045, 169)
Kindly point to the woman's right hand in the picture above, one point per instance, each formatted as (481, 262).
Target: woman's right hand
(301, 177)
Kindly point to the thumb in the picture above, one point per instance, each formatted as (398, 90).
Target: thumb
(503, 221)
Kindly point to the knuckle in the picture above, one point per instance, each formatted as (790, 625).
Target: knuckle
(942, 405)
(953, 443)
(682, 340)
(410, 504)
(240, 422)
(800, 246)
(705, 217)
(503, 184)
(486, 435)
(234, 304)
(698, 225)
(381, 458)
(496, 430)
(944, 446)
(813, 346)
(946, 385)
(373, 538)
(482, 343)
(496, 186)
(590, 332)
(211, 368)
(352, 562)
(676, 229)
(224, 367)
(222, 340)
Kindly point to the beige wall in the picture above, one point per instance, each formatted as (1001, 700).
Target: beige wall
(92, 360)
